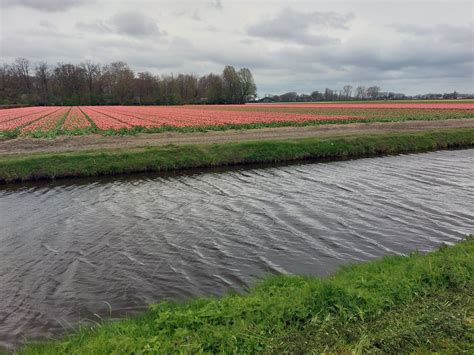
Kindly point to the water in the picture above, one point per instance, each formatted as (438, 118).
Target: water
(76, 251)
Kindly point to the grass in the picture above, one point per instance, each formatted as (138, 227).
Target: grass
(171, 157)
(417, 303)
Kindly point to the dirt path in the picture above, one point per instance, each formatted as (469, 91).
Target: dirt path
(94, 141)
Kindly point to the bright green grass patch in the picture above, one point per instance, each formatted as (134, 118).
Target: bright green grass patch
(172, 157)
(419, 303)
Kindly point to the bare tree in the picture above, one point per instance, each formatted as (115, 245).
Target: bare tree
(361, 92)
(146, 88)
(42, 76)
(122, 79)
(22, 67)
(373, 92)
(92, 72)
(347, 91)
(329, 94)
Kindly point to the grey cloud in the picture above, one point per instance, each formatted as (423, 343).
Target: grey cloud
(133, 24)
(97, 27)
(46, 5)
(454, 34)
(47, 25)
(400, 57)
(217, 4)
(293, 26)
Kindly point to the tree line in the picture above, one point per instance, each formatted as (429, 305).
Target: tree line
(26, 83)
(349, 93)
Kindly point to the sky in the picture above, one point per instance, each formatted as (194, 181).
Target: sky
(412, 46)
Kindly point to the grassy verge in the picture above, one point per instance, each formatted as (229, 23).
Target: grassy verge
(162, 158)
(419, 303)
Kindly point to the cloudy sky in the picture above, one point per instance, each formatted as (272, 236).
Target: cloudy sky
(412, 46)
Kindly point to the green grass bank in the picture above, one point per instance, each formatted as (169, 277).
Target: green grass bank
(416, 303)
(171, 157)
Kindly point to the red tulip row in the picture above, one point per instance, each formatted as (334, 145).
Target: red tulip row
(48, 122)
(75, 120)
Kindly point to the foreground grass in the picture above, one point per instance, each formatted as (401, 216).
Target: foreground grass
(170, 157)
(419, 303)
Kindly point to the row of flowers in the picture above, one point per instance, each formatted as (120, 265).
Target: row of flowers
(48, 122)
(116, 117)
(408, 105)
(75, 120)
(124, 117)
(12, 113)
(13, 120)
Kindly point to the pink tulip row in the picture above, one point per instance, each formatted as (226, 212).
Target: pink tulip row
(16, 120)
(12, 113)
(103, 121)
(106, 118)
(408, 105)
(75, 120)
(48, 122)
(117, 117)
(193, 117)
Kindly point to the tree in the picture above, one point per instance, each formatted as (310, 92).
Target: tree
(248, 89)
(232, 85)
(361, 92)
(115, 83)
(187, 87)
(120, 79)
(289, 97)
(22, 66)
(211, 89)
(329, 94)
(69, 84)
(93, 73)
(146, 88)
(316, 96)
(347, 91)
(43, 77)
(373, 92)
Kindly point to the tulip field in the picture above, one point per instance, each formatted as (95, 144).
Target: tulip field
(55, 120)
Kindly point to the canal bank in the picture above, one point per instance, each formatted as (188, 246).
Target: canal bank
(55, 165)
(419, 303)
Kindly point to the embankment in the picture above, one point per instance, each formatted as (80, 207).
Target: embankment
(54, 165)
(420, 303)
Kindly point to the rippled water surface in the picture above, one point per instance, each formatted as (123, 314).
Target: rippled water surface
(73, 251)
